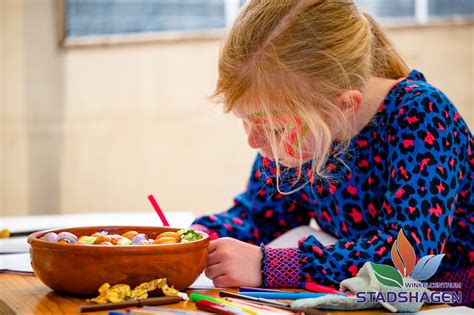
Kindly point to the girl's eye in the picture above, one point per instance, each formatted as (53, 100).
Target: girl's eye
(278, 131)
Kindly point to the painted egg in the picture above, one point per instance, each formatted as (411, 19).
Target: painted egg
(114, 238)
(124, 241)
(137, 240)
(51, 237)
(99, 234)
(130, 234)
(164, 240)
(87, 240)
(101, 239)
(67, 237)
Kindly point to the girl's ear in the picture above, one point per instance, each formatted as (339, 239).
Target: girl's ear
(350, 101)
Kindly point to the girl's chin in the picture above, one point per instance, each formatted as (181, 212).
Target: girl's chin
(286, 161)
(292, 163)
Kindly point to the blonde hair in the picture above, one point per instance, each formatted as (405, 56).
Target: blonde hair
(297, 56)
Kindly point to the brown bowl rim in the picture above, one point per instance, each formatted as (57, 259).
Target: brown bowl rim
(36, 243)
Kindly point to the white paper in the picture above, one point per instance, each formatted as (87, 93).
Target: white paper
(18, 224)
(202, 283)
(291, 238)
(13, 245)
(15, 262)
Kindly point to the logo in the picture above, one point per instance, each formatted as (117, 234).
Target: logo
(404, 258)
(404, 289)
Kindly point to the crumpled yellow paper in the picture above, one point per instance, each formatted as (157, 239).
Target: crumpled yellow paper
(123, 292)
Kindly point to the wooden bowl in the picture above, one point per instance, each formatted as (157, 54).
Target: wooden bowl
(82, 269)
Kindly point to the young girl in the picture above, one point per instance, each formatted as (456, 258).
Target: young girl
(346, 135)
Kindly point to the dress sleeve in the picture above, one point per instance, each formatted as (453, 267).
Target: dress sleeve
(261, 213)
(424, 157)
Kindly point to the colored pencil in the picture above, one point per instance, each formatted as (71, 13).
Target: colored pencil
(248, 289)
(158, 210)
(259, 308)
(285, 295)
(196, 297)
(312, 286)
(111, 306)
(209, 306)
(262, 301)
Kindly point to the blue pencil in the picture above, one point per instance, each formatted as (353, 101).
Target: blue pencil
(285, 295)
(248, 289)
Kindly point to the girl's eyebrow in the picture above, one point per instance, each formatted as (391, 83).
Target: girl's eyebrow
(254, 117)
(260, 118)
(257, 117)
(241, 115)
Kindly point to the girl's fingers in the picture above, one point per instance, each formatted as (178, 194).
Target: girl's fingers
(214, 271)
(212, 246)
(220, 281)
(213, 259)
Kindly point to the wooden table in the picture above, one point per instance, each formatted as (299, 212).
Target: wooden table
(25, 294)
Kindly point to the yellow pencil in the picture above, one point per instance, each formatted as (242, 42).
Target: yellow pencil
(235, 306)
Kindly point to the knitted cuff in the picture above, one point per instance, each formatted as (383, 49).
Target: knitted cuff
(280, 267)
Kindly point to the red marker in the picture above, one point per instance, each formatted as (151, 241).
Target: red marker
(209, 306)
(158, 210)
(311, 286)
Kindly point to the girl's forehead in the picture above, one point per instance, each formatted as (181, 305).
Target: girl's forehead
(261, 117)
(248, 114)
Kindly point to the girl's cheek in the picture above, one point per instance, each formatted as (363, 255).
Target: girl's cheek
(255, 136)
(291, 148)
(309, 145)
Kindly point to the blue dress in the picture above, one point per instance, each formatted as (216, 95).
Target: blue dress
(411, 168)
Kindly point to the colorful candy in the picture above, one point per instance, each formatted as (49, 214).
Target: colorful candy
(138, 240)
(86, 240)
(170, 234)
(101, 239)
(114, 238)
(189, 235)
(67, 238)
(130, 234)
(165, 240)
(99, 234)
(51, 237)
(5, 233)
(126, 239)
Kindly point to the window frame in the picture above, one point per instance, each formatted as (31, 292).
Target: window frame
(231, 8)
(421, 18)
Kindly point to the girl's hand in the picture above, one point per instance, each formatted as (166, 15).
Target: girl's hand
(233, 263)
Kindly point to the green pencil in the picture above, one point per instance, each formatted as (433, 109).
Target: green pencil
(196, 297)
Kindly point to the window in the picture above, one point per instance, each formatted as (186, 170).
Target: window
(103, 20)
(106, 17)
(417, 11)
(99, 21)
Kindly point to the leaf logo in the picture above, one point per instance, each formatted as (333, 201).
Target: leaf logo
(404, 258)
(387, 275)
(427, 267)
(403, 255)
